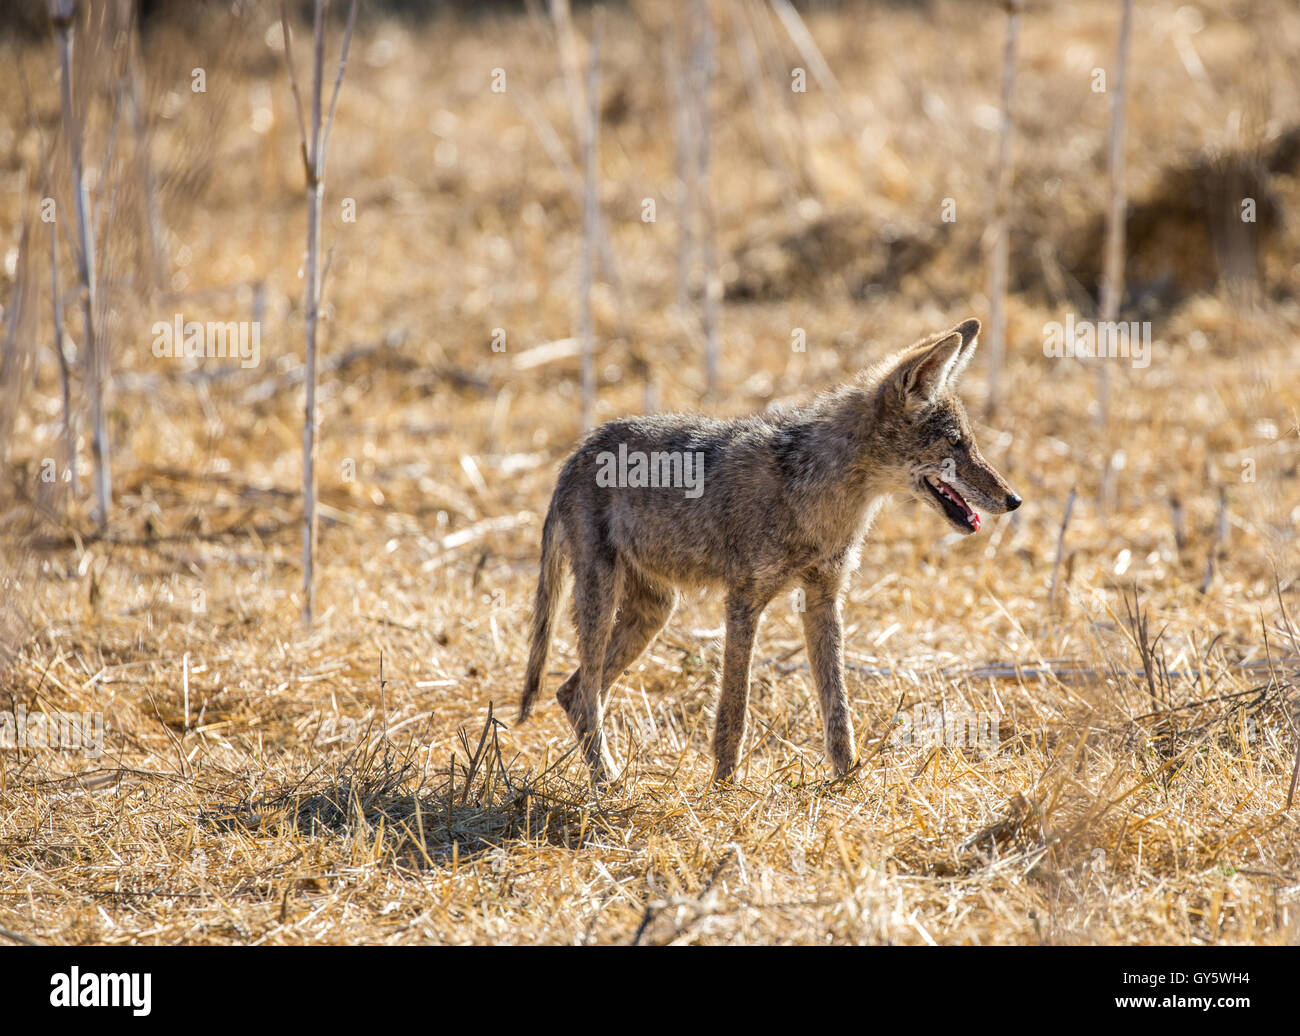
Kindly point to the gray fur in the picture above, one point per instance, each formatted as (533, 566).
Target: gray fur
(787, 498)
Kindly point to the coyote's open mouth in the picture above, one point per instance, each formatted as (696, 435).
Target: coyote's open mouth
(953, 505)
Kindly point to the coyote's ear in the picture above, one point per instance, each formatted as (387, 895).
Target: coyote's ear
(969, 331)
(923, 374)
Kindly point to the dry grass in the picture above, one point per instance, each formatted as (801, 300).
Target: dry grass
(263, 784)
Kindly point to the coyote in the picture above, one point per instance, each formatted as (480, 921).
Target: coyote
(753, 505)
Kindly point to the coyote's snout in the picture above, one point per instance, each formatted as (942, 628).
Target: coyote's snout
(780, 499)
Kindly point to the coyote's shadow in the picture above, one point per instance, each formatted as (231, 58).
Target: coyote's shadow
(477, 802)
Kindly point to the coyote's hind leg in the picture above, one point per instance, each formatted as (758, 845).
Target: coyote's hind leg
(593, 611)
(644, 607)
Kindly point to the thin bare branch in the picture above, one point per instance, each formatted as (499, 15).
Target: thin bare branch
(287, 37)
(1112, 284)
(1001, 245)
(338, 80)
(590, 224)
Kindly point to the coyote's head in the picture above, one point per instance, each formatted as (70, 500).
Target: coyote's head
(928, 447)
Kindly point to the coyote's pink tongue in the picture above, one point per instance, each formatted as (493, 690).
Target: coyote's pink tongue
(972, 519)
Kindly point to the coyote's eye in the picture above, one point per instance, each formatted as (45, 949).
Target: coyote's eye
(955, 440)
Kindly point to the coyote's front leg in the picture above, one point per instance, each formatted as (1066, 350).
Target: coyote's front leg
(824, 635)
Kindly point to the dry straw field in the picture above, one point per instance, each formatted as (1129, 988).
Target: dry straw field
(1078, 736)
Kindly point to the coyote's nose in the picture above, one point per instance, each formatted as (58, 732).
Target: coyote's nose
(1013, 501)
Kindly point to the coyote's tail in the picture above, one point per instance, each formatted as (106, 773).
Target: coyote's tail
(550, 588)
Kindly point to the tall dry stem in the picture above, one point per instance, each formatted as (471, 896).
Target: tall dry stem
(63, 16)
(1001, 248)
(315, 145)
(1112, 284)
